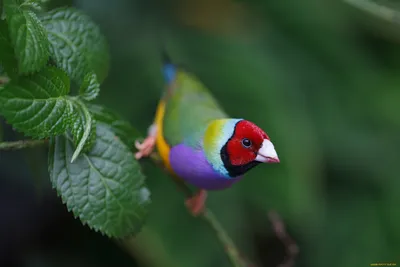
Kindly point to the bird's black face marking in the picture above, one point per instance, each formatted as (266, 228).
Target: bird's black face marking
(233, 170)
(236, 170)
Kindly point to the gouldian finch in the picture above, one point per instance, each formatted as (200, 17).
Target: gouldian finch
(198, 142)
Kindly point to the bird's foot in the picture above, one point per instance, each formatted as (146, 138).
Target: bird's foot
(147, 146)
(196, 203)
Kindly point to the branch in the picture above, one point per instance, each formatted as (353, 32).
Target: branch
(231, 250)
(130, 245)
(230, 247)
(21, 144)
(209, 217)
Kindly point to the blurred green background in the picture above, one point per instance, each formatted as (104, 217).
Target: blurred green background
(322, 77)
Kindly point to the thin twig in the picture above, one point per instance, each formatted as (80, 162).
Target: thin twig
(292, 250)
(208, 216)
(223, 237)
(21, 144)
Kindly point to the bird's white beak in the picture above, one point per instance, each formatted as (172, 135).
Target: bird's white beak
(267, 153)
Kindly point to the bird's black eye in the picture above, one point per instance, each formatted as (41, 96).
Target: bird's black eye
(246, 143)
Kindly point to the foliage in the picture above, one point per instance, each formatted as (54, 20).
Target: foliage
(322, 77)
(93, 171)
(103, 186)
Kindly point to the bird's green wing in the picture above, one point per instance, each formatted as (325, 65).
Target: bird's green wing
(189, 109)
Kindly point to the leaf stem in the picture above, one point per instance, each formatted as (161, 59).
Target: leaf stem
(21, 144)
(209, 217)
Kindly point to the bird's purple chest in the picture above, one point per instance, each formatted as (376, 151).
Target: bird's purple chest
(192, 166)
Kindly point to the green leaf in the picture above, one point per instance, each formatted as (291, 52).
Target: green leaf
(120, 127)
(104, 187)
(27, 36)
(76, 44)
(38, 104)
(7, 58)
(83, 128)
(90, 87)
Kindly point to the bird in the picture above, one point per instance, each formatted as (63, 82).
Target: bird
(196, 139)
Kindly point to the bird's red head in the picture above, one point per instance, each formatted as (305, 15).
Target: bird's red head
(248, 146)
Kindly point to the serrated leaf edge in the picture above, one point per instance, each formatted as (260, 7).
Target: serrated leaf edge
(140, 189)
(37, 20)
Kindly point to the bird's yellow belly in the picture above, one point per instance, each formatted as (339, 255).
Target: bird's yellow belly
(162, 146)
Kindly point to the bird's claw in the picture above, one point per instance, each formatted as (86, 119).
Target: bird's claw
(145, 148)
(196, 204)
